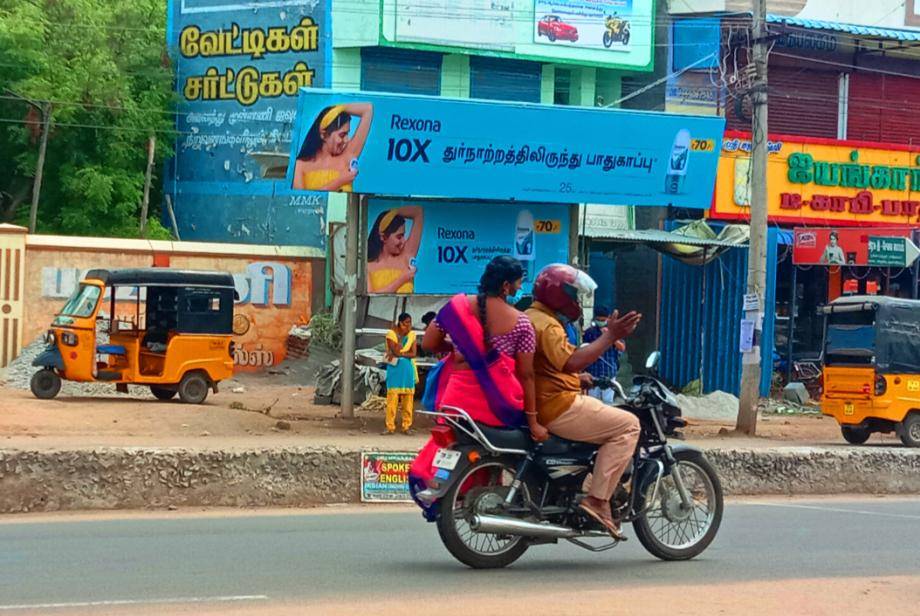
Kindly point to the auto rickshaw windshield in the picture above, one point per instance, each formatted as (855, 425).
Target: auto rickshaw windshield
(83, 302)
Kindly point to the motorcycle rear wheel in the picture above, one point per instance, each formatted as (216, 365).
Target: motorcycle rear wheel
(472, 494)
(668, 531)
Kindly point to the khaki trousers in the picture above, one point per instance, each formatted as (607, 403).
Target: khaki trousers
(591, 421)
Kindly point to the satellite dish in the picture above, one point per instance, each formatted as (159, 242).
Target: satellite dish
(339, 250)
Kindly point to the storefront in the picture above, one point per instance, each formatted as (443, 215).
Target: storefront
(458, 182)
(842, 216)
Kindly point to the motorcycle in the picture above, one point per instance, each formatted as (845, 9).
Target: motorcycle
(617, 30)
(496, 492)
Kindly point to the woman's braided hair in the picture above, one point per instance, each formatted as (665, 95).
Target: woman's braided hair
(500, 270)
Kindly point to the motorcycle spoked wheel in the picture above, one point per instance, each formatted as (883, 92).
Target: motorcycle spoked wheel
(608, 39)
(481, 490)
(668, 530)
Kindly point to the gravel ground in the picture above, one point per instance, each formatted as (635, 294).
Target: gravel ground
(717, 405)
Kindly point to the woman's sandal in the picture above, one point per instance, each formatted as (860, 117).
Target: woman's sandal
(608, 524)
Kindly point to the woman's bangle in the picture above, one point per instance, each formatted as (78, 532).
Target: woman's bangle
(531, 413)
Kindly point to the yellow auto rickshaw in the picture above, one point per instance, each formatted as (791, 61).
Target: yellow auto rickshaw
(167, 329)
(872, 367)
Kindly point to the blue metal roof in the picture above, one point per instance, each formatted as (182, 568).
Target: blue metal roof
(869, 31)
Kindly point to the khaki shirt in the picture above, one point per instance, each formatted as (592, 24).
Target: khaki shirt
(556, 389)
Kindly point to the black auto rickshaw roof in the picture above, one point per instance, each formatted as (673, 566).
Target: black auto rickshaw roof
(894, 340)
(161, 277)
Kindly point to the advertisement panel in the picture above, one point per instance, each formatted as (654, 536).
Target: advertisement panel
(385, 476)
(442, 248)
(843, 246)
(239, 69)
(397, 145)
(610, 33)
(822, 181)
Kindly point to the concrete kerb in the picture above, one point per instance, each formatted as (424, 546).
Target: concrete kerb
(127, 478)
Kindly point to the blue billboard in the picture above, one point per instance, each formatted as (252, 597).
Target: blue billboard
(399, 145)
(438, 248)
(239, 68)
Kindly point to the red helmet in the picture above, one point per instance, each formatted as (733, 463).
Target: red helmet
(562, 288)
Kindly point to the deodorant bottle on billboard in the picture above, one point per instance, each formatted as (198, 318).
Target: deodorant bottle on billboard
(677, 163)
(524, 241)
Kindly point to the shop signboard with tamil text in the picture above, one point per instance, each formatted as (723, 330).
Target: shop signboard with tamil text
(822, 182)
(892, 251)
(239, 69)
(398, 145)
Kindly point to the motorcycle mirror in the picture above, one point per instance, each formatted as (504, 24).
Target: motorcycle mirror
(652, 362)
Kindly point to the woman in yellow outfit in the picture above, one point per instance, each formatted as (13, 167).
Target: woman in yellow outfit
(402, 374)
(328, 159)
(390, 253)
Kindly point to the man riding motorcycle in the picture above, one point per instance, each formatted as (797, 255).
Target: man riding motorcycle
(559, 291)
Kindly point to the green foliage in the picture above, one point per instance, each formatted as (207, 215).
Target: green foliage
(324, 330)
(103, 67)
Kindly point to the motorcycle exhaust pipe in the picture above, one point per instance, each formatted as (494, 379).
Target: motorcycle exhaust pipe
(500, 525)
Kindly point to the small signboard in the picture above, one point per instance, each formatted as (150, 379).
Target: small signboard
(385, 476)
(892, 251)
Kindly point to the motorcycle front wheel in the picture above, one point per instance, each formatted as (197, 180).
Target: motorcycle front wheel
(480, 490)
(608, 39)
(670, 531)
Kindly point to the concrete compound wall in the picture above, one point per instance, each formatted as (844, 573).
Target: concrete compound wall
(111, 478)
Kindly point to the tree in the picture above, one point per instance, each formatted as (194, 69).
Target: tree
(104, 69)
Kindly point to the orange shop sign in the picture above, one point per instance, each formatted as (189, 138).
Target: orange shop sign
(822, 181)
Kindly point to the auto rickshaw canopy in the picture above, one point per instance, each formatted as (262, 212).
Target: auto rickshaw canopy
(881, 330)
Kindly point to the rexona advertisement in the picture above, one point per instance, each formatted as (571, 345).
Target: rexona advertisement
(615, 33)
(442, 249)
(393, 145)
(239, 69)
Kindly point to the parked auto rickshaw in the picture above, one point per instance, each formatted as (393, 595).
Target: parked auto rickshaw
(167, 329)
(872, 367)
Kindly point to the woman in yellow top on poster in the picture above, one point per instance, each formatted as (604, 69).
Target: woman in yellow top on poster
(328, 158)
(390, 253)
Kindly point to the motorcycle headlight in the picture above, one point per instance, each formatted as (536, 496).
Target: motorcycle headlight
(69, 338)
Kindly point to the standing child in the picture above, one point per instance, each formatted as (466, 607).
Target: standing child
(608, 364)
(402, 374)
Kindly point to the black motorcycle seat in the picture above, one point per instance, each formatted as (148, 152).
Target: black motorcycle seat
(519, 438)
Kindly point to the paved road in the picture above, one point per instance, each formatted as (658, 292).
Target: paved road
(335, 562)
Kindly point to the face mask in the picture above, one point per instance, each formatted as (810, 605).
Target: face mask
(601, 324)
(517, 297)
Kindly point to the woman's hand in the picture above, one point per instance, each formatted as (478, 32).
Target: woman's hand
(537, 431)
(408, 276)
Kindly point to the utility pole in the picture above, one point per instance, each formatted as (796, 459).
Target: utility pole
(350, 304)
(45, 110)
(145, 203)
(757, 256)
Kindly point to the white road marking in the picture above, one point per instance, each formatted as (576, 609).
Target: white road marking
(117, 602)
(903, 516)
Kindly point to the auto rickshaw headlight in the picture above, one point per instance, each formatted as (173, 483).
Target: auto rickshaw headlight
(69, 338)
(49, 338)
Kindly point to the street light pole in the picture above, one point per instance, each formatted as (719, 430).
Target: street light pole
(757, 256)
(43, 108)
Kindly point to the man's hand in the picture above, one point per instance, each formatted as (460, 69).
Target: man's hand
(620, 346)
(620, 327)
(587, 381)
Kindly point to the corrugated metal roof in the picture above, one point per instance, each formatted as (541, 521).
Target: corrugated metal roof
(663, 237)
(869, 31)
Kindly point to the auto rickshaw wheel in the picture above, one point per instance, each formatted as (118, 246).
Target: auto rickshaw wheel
(45, 384)
(162, 393)
(855, 436)
(193, 389)
(909, 430)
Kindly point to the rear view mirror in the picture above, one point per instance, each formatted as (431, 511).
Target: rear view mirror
(652, 362)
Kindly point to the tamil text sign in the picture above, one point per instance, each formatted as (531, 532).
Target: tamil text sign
(848, 246)
(442, 249)
(239, 69)
(823, 181)
(393, 145)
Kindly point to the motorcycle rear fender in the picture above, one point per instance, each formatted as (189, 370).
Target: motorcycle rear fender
(429, 499)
